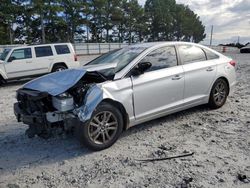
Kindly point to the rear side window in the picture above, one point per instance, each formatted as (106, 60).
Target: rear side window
(191, 54)
(43, 51)
(161, 58)
(24, 53)
(62, 49)
(210, 55)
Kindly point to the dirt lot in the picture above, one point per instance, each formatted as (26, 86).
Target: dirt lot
(220, 140)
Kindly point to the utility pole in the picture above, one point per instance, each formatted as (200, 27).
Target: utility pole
(211, 37)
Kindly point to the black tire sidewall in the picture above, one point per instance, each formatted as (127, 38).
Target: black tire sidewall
(83, 128)
(212, 102)
(57, 67)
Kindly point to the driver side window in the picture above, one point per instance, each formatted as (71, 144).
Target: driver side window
(161, 58)
(24, 53)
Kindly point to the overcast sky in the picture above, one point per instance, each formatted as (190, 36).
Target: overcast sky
(231, 18)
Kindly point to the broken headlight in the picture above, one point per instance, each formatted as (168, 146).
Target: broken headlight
(63, 102)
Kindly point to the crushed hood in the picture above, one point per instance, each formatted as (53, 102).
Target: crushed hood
(56, 83)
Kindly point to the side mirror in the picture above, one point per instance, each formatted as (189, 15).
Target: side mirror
(141, 68)
(11, 59)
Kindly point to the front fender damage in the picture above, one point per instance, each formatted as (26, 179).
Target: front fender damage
(71, 97)
(92, 98)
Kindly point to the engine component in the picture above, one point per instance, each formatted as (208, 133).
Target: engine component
(63, 102)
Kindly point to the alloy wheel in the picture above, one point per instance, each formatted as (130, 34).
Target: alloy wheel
(219, 93)
(103, 127)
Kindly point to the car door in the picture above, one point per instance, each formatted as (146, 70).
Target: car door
(199, 73)
(161, 87)
(44, 58)
(19, 63)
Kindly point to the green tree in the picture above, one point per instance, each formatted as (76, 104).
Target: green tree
(9, 12)
(170, 21)
(188, 26)
(160, 19)
(73, 13)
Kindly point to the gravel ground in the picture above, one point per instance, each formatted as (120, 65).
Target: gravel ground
(220, 140)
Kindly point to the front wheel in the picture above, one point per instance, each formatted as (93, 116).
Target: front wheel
(103, 129)
(219, 93)
(2, 81)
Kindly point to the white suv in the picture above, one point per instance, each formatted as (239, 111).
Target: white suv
(27, 61)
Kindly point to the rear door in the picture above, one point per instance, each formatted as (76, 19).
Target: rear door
(199, 72)
(159, 88)
(20, 63)
(44, 58)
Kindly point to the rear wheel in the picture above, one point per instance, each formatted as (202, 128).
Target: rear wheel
(219, 93)
(58, 68)
(103, 129)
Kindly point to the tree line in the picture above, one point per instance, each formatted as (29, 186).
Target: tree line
(45, 21)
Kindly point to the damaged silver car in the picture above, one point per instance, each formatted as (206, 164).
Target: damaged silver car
(123, 88)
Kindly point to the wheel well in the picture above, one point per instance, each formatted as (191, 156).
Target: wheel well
(59, 63)
(226, 80)
(2, 80)
(121, 108)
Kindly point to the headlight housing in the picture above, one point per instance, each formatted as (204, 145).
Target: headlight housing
(63, 102)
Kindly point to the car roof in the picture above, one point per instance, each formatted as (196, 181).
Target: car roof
(34, 45)
(48, 44)
(153, 44)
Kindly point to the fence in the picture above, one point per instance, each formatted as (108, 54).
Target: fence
(96, 48)
(100, 48)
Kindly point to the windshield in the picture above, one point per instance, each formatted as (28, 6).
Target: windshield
(4, 54)
(121, 57)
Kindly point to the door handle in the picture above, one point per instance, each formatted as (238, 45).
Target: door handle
(28, 61)
(51, 59)
(177, 77)
(209, 69)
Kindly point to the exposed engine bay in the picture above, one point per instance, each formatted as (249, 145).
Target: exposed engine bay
(45, 110)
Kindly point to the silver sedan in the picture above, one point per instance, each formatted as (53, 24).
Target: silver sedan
(124, 88)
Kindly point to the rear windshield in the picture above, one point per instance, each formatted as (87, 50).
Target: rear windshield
(62, 49)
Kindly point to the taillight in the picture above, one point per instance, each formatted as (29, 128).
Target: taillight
(233, 63)
(75, 57)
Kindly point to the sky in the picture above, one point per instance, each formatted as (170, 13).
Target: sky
(230, 18)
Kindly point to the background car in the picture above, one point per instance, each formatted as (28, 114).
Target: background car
(245, 49)
(130, 86)
(36, 60)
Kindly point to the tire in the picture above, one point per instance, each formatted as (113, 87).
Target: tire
(58, 68)
(2, 81)
(218, 94)
(88, 132)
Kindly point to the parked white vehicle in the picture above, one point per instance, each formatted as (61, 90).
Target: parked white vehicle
(27, 61)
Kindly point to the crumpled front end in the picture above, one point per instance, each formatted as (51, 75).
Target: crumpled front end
(59, 104)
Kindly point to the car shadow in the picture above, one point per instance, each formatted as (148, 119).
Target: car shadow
(18, 151)
(164, 119)
(16, 82)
